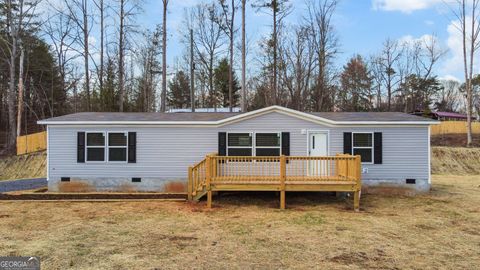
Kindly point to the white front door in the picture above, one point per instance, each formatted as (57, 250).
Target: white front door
(318, 147)
(318, 144)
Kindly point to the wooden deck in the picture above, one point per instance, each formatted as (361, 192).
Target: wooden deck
(341, 173)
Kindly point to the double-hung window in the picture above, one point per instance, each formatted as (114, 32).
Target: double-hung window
(117, 146)
(267, 144)
(362, 144)
(95, 146)
(239, 144)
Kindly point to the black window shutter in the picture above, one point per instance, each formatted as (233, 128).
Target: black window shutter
(377, 148)
(132, 147)
(347, 143)
(80, 147)
(222, 143)
(286, 143)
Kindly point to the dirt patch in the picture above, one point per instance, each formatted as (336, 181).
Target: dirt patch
(454, 140)
(388, 191)
(126, 188)
(175, 187)
(91, 196)
(75, 186)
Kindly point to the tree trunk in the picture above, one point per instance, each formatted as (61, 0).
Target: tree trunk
(12, 95)
(86, 53)
(192, 74)
(230, 69)
(164, 58)
(244, 92)
(20, 91)
(274, 90)
(102, 37)
(121, 60)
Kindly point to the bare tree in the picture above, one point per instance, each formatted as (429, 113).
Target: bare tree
(127, 10)
(391, 54)
(297, 58)
(59, 30)
(19, 15)
(447, 99)
(79, 12)
(164, 57)
(100, 4)
(208, 41)
(278, 9)
(470, 45)
(121, 55)
(243, 99)
(326, 44)
(228, 26)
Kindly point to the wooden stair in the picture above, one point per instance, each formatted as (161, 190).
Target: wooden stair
(199, 194)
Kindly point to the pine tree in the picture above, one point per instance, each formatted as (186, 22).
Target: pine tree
(355, 94)
(221, 84)
(179, 95)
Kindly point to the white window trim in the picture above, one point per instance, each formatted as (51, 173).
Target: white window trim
(254, 141)
(96, 146)
(279, 134)
(108, 147)
(364, 147)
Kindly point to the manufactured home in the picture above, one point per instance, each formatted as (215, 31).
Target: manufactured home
(160, 152)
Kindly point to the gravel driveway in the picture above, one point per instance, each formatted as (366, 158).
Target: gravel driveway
(23, 184)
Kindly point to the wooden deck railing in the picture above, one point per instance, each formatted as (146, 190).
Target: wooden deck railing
(280, 173)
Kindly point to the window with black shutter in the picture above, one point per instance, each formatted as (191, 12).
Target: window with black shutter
(267, 144)
(132, 147)
(239, 144)
(362, 144)
(377, 148)
(95, 146)
(117, 146)
(286, 143)
(81, 147)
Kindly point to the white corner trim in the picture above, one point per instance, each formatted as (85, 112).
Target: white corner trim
(429, 158)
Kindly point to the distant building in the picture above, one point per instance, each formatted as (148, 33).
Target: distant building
(235, 109)
(443, 116)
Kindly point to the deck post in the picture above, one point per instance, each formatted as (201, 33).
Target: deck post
(208, 176)
(358, 185)
(336, 165)
(190, 183)
(283, 176)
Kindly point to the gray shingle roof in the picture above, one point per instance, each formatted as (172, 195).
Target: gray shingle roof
(180, 117)
(138, 116)
(370, 116)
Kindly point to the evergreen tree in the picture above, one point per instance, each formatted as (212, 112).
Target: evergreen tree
(179, 95)
(221, 84)
(356, 85)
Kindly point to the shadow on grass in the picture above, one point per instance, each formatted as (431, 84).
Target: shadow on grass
(272, 199)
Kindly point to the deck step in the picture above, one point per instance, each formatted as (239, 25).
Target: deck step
(200, 194)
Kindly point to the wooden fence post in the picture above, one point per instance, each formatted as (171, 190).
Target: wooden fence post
(190, 183)
(283, 176)
(208, 175)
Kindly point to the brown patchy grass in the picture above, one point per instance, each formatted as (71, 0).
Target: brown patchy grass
(455, 160)
(440, 230)
(24, 166)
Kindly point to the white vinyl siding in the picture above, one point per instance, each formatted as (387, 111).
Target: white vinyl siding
(165, 152)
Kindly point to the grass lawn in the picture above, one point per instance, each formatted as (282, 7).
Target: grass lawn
(440, 230)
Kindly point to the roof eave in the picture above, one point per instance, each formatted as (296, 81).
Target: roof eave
(239, 117)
